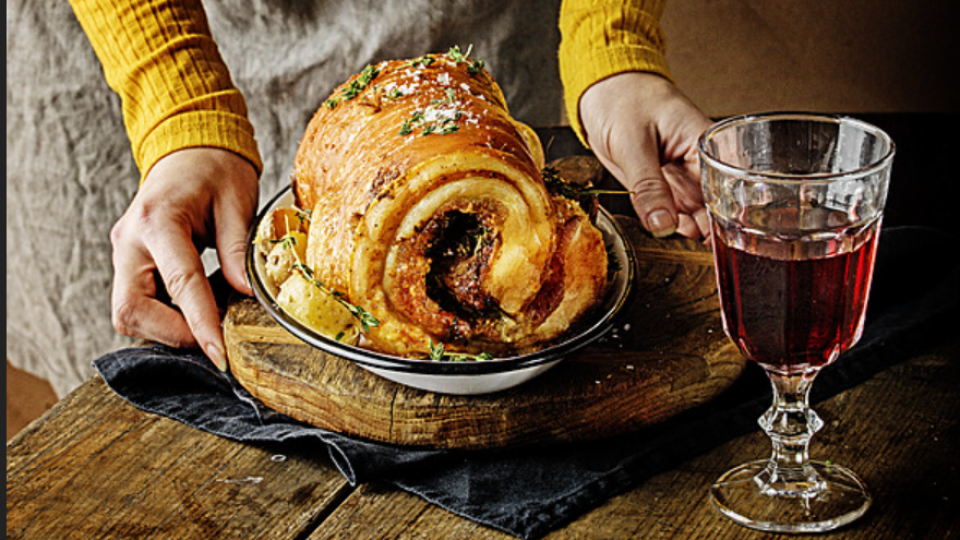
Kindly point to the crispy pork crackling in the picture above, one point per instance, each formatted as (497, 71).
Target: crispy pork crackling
(426, 219)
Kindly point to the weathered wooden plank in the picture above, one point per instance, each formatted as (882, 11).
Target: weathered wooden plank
(96, 467)
(376, 511)
(899, 431)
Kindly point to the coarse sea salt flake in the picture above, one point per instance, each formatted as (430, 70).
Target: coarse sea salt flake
(432, 114)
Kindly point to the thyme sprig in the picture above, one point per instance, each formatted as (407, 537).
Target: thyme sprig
(366, 319)
(424, 61)
(396, 93)
(473, 66)
(438, 353)
(356, 86)
(286, 242)
(558, 186)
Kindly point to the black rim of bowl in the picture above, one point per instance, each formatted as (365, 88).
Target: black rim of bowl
(585, 333)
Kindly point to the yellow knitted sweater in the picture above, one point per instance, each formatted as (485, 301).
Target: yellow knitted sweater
(600, 38)
(176, 91)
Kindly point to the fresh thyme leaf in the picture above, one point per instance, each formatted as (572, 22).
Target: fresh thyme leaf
(456, 55)
(288, 241)
(424, 61)
(442, 125)
(304, 216)
(438, 353)
(367, 320)
(303, 269)
(368, 74)
(473, 66)
(355, 87)
(448, 127)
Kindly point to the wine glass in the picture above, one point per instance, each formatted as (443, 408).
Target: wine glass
(795, 203)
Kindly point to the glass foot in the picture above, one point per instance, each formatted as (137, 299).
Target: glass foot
(823, 497)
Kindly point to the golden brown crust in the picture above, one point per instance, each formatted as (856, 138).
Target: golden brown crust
(429, 211)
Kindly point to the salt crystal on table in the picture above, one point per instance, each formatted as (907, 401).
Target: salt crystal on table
(248, 480)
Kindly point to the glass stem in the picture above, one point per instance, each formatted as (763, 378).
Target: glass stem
(790, 423)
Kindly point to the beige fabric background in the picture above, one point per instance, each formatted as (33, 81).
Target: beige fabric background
(738, 56)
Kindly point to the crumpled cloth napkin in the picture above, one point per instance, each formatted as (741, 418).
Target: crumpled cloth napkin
(530, 492)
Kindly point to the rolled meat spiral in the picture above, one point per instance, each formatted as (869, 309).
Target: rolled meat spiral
(428, 210)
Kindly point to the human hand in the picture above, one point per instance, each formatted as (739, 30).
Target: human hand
(191, 199)
(644, 131)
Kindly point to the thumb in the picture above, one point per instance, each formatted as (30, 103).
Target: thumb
(231, 250)
(232, 229)
(653, 200)
(234, 209)
(637, 167)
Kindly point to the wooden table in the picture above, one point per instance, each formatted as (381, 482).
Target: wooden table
(96, 467)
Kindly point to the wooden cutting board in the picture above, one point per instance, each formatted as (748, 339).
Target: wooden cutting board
(668, 354)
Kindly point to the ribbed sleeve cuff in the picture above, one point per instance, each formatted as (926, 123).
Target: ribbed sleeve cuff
(219, 129)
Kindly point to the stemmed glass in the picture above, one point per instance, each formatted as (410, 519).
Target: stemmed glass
(795, 203)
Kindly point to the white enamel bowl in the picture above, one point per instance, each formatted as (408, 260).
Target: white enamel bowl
(471, 377)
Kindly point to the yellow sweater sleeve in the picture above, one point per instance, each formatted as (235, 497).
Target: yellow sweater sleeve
(600, 38)
(176, 91)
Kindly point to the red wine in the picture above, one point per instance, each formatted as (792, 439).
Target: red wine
(793, 302)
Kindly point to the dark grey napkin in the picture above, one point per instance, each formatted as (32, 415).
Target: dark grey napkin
(529, 492)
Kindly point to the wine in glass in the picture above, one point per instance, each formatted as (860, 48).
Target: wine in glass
(795, 203)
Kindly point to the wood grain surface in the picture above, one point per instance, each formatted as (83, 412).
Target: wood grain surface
(94, 467)
(667, 354)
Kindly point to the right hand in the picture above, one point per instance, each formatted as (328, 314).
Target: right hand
(191, 199)
(645, 131)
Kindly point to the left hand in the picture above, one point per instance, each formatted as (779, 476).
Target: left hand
(644, 131)
(191, 199)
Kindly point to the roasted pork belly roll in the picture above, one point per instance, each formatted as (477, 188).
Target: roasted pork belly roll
(428, 210)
